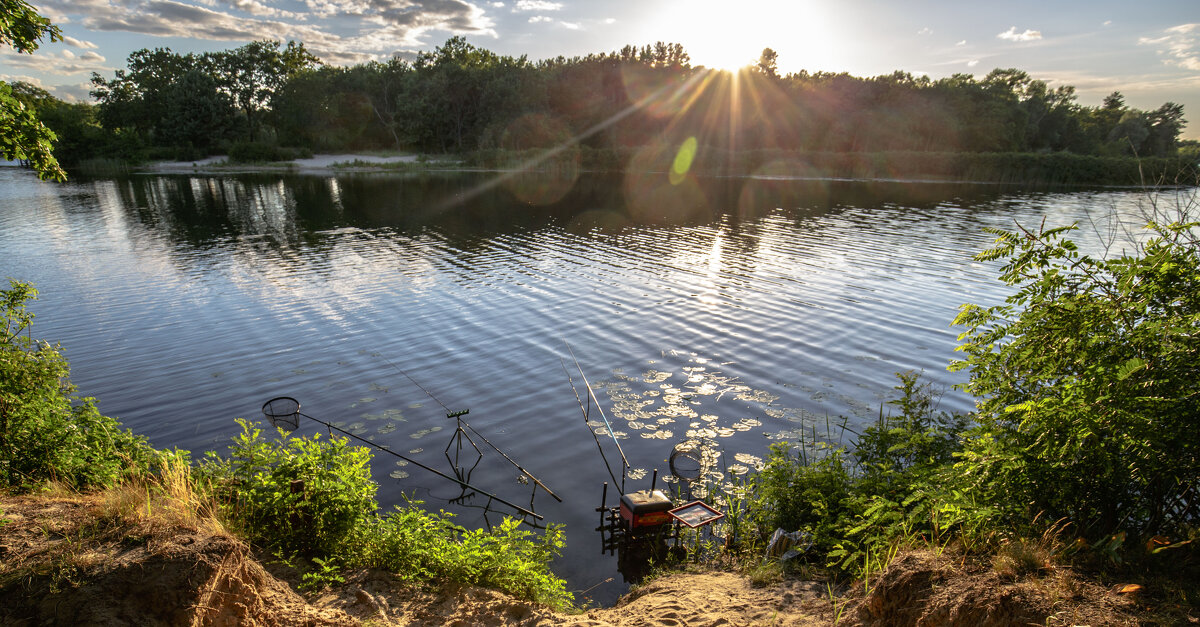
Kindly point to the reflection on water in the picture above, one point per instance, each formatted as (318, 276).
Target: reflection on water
(722, 317)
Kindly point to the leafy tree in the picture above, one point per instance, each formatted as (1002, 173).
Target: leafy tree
(78, 134)
(137, 99)
(768, 63)
(1087, 380)
(22, 135)
(199, 114)
(252, 73)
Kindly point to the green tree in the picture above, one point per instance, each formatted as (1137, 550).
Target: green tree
(1087, 380)
(22, 134)
(768, 63)
(198, 114)
(252, 73)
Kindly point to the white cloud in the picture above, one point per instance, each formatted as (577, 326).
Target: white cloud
(925, 31)
(1107, 23)
(537, 5)
(571, 25)
(63, 63)
(972, 62)
(961, 43)
(1012, 35)
(79, 43)
(1179, 45)
(538, 18)
(497, 5)
(383, 27)
(610, 20)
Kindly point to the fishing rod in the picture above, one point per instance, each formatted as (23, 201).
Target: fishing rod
(463, 423)
(585, 420)
(592, 399)
(284, 411)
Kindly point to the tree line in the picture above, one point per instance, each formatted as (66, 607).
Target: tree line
(459, 98)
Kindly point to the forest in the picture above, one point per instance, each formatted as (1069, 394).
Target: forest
(268, 101)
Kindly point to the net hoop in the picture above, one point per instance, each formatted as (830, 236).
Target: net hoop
(686, 461)
(283, 412)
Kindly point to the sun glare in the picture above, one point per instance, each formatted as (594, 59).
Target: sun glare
(729, 36)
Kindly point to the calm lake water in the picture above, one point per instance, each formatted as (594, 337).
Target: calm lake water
(733, 312)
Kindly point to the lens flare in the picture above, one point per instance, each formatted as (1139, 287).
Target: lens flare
(683, 160)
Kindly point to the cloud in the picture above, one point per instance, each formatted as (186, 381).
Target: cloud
(925, 31)
(1178, 45)
(972, 62)
(538, 18)
(1107, 23)
(62, 63)
(1012, 35)
(79, 43)
(537, 5)
(961, 43)
(345, 31)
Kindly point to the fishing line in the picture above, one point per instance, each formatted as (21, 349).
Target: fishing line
(458, 416)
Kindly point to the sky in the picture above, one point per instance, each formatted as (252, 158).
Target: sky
(1149, 50)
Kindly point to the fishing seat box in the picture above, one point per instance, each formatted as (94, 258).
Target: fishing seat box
(645, 509)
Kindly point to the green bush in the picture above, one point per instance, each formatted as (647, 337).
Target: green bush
(297, 497)
(312, 501)
(1088, 380)
(48, 432)
(855, 503)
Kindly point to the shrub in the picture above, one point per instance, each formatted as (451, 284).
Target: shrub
(297, 497)
(1088, 380)
(313, 500)
(48, 432)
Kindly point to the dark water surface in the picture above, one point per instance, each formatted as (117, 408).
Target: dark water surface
(732, 312)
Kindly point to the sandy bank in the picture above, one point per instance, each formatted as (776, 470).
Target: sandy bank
(317, 163)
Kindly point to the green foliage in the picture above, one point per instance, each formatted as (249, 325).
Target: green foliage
(313, 499)
(297, 497)
(22, 135)
(857, 504)
(1088, 385)
(47, 432)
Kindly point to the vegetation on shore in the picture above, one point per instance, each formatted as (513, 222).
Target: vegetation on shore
(309, 502)
(1082, 450)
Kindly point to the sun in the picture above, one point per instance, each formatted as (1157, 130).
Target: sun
(730, 36)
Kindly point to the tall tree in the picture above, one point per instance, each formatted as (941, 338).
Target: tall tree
(768, 63)
(22, 134)
(252, 73)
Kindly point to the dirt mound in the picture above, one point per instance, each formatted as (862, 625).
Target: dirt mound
(62, 562)
(921, 589)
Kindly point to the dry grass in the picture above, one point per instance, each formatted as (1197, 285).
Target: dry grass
(1016, 559)
(170, 499)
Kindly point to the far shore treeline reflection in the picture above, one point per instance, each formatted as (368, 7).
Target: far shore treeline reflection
(609, 111)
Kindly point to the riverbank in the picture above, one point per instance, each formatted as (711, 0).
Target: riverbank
(1026, 169)
(90, 559)
(315, 164)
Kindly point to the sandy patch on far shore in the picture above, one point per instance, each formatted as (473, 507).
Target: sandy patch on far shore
(317, 163)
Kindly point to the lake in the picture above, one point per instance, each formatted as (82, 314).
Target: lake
(732, 313)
